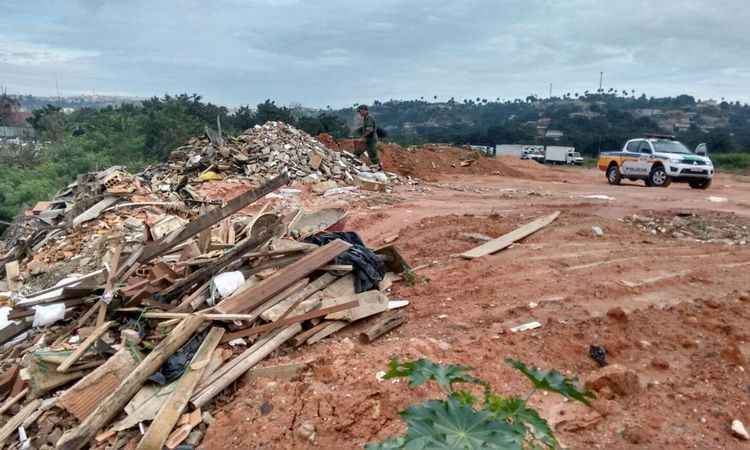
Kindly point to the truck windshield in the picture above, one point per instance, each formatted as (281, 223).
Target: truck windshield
(664, 146)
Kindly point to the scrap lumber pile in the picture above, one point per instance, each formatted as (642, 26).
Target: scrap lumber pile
(178, 304)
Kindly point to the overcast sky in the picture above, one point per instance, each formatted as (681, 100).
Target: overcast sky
(333, 52)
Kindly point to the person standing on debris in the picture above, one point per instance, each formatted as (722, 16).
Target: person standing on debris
(370, 136)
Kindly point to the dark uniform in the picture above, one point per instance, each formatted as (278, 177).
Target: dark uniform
(370, 134)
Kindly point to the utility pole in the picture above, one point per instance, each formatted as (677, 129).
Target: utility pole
(601, 81)
(550, 90)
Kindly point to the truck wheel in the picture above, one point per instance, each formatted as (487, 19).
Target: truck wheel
(658, 177)
(700, 184)
(613, 174)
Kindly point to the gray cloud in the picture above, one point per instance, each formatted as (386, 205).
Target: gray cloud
(339, 52)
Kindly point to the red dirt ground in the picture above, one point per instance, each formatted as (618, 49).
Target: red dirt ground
(686, 305)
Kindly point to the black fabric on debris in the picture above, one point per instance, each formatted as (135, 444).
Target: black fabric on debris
(368, 270)
(176, 364)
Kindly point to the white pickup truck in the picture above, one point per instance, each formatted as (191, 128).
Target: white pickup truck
(658, 161)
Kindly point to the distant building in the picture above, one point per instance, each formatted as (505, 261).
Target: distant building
(554, 134)
(16, 133)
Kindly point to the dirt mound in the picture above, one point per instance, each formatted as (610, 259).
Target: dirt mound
(429, 161)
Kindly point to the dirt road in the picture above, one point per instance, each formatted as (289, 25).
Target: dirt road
(672, 308)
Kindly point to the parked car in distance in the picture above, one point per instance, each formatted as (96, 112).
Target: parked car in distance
(658, 160)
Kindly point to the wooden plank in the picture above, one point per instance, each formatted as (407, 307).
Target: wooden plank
(370, 303)
(84, 396)
(305, 335)
(13, 330)
(11, 274)
(332, 327)
(382, 326)
(286, 306)
(205, 273)
(217, 317)
(199, 294)
(170, 412)
(338, 268)
(80, 436)
(290, 321)
(13, 400)
(263, 291)
(506, 240)
(211, 217)
(109, 285)
(17, 420)
(290, 292)
(81, 349)
(253, 356)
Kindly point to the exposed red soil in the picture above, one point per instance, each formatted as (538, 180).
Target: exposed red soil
(682, 325)
(432, 161)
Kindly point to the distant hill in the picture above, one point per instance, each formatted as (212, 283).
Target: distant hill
(590, 122)
(32, 102)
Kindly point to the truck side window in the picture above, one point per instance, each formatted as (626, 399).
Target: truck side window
(645, 147)
(633, 146)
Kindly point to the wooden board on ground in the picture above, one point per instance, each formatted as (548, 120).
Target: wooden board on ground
(290, 321)
(333, 327)
(370, 303)
(278, 310)
(506, 240)
(382, 326)
(263, 291)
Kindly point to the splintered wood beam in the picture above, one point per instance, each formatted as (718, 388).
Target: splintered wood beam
(81, 349)
(170, 412)
(212, 217)
(382, 326)
(205, 273)
(257, 295)
(80, 436)
(17, 420)
(240, 365)
(290, 321)
(506, 240)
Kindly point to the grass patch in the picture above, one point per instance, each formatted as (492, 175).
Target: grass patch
(739, 162)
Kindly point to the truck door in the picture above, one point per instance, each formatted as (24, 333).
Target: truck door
(645, 159)
(630, 158)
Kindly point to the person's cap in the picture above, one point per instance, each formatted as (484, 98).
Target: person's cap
(362, 108)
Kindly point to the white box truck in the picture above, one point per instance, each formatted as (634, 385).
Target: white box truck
(562, 155)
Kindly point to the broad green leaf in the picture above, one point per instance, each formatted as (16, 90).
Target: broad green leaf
(515, 411)
(423, 370)
(450, 424)
(552, 381)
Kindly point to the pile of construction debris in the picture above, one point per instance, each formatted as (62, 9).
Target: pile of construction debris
(265, 151)
(130, 300)
(689, 226)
